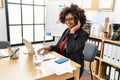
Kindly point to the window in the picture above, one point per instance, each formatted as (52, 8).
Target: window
(26, 19)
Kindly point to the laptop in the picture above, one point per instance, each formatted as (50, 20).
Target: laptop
(28, 45)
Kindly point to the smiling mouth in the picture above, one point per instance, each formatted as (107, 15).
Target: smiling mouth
(69, 24)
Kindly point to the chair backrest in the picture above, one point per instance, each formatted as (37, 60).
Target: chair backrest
(90, 51)
(4, 44)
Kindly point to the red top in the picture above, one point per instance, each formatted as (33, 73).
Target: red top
(62, 45)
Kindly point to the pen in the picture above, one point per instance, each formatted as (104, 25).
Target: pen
(16, 50)
(49, 59)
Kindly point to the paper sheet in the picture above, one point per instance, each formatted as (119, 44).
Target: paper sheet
(60, 68)
(4, 53)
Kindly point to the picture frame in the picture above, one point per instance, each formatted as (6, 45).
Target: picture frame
(1, 3)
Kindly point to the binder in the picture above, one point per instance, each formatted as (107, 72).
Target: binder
(99, 47)
(114, 53)
(112, 73)
(118, 56)
(117, 75)
(88, 40)
(105, 52)
(109, 52)
(93, 41)
(108, 69)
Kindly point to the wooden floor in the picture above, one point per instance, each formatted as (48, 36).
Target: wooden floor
(87, 77)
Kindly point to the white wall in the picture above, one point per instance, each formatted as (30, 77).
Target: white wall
(113, 15)
(3, 30)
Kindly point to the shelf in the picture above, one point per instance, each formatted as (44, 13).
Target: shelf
(98, 77)
(103, 63)
(112, 41)
(97, 5)
(105, 39)
(111, 63)
(95, 37)
(98, 58)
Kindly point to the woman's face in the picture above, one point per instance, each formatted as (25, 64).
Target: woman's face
(70, 21)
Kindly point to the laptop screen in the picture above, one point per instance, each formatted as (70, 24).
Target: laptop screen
(29, 46)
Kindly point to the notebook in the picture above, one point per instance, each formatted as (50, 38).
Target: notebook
(28, 45)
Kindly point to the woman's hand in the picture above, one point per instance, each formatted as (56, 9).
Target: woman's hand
(46, 49)
(75, 28)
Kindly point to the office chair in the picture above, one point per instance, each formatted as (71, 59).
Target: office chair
(90, 51)
(4, 44)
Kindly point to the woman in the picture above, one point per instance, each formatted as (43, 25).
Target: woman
(72, 41)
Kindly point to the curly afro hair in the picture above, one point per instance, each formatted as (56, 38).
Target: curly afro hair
(77, 12)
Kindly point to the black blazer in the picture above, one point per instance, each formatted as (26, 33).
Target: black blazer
(74, 45)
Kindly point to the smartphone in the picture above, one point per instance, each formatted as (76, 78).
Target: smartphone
(76, 20)
(61, 60)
